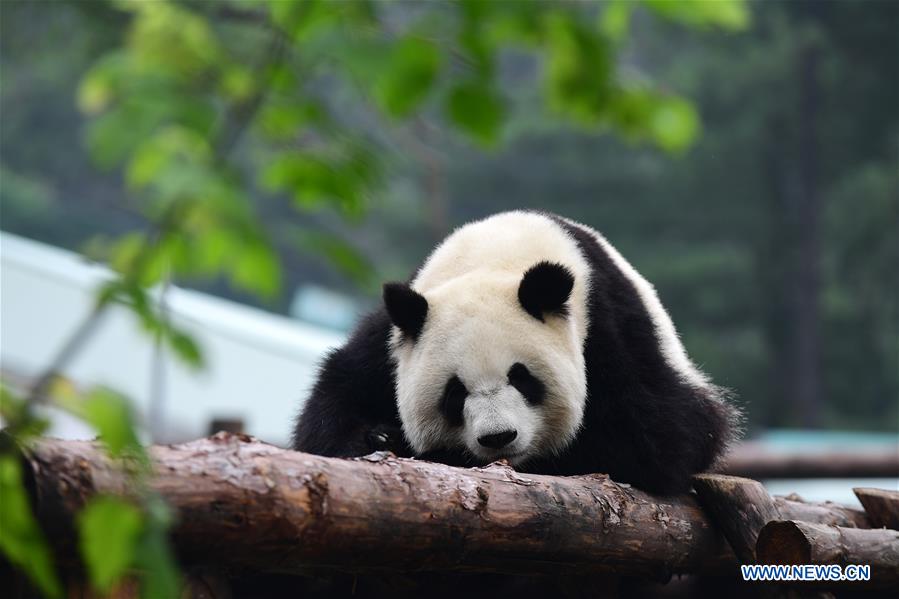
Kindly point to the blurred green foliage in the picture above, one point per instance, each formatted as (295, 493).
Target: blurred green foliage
(21, 539)
(201, 105)
(118, 536)
(108, 529)
(190, 79)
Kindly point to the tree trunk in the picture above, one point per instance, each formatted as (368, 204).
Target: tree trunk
(807, 390)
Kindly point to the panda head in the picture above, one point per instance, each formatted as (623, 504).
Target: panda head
(489, 363)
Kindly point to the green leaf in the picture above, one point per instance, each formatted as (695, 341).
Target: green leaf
(474, 39)
(166, 154)
(727, 14)
(316, 181)
(615, 19)
(19, 421)
(110, 413)
(300, 19)
(283, 121)
(238, 83)
(136, 299)
(95, 93)
(167, 37)
(515, 22)
(114, 135)
(159, 572)
(309, 178)
(408, 77)
(212, 248)
(186, 348)
(103, 82)
(147, 162)
(674, 124)
(21, 539)
(12, 408)
(579, 71)
(478, 110)
(642, 114)
(109, 529)
(256, 268)
(123, 252)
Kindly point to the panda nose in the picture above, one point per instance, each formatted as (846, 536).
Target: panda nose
(498, 440)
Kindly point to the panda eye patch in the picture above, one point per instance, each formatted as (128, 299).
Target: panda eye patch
(453, 401)
(527, 384)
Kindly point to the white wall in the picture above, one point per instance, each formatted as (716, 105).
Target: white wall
(259, 365)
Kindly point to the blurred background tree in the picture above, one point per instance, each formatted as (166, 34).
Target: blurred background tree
(771, 236)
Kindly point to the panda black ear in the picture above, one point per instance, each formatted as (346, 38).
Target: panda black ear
(545, 289)
(406, 308)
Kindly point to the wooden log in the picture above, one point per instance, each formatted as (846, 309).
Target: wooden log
(248, 504)
(881, 505)
(793, 507)
(740, 507)
(750, 461)
(245, 504)
(793, 542)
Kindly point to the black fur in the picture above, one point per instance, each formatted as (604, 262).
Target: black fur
(407, 309)
(643, 424)
(545, 288)
(453, 401)
(527, 384)
(353, 402)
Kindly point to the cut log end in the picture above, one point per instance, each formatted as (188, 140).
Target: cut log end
(797, 543)
(739, 506)
(783, 542)
(881, 505)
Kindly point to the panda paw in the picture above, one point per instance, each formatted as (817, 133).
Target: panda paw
(386, 438)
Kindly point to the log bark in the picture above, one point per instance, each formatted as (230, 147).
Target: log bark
(793, 542)
(740, 507)
(881, 506)
(245, 504)
(793, 507)
(253, 505)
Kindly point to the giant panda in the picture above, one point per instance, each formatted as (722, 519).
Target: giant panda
(527, 337)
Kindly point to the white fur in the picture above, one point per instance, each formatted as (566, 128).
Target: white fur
(476, 329)
(500, 410)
